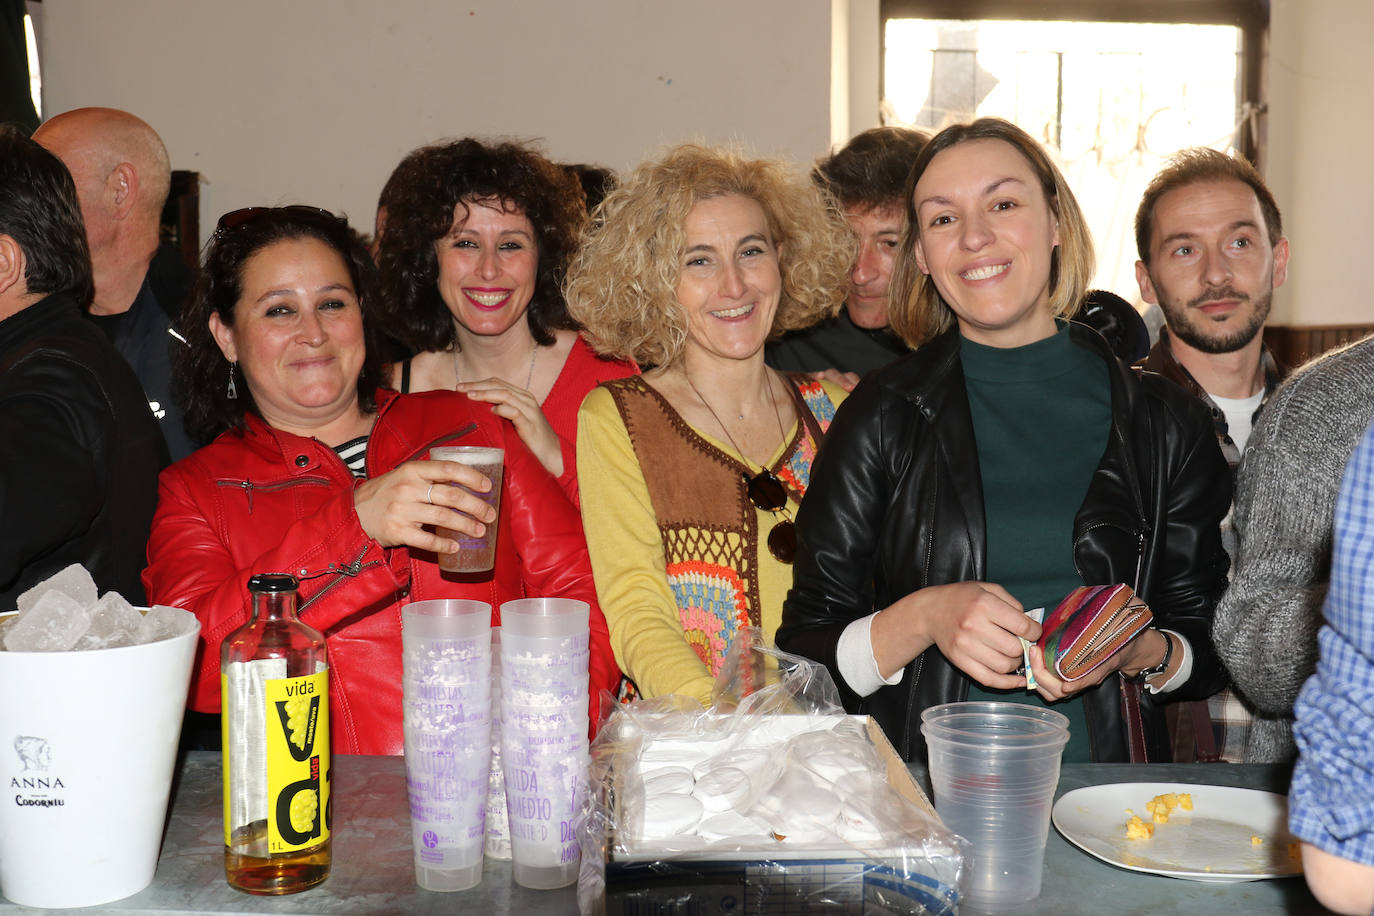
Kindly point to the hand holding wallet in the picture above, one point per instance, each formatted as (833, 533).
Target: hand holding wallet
(1089, 626)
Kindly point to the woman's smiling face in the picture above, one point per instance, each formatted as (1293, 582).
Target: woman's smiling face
(297, 333)
(488, 264)
(729, 282)
(986, 236)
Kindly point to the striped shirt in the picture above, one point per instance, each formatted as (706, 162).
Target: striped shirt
(354, 454)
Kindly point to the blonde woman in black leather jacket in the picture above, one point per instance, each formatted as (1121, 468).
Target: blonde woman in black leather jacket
(1007, 460)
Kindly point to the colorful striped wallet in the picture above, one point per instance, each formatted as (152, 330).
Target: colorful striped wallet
(1089, 626)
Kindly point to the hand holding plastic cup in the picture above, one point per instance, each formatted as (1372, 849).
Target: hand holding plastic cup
(475, 554)
(446, 654)
(994, 768)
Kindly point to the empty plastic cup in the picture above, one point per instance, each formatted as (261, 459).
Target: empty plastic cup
(994, 768)
(90, 742)
(446, 658)
(544, 656)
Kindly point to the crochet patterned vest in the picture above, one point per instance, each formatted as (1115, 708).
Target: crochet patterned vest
(709, 529)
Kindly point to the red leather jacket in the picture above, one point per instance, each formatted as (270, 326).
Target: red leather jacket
(263, 500)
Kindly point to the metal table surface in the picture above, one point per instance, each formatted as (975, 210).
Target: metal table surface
(373, 869)
(1074, 882)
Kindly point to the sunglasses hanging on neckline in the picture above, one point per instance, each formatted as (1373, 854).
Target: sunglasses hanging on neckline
(767, 493)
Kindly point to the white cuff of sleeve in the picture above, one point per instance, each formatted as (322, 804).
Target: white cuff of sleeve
(1185, 668)
(854, 658)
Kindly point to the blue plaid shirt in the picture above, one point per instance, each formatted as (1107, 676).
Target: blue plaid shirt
(1331, 802)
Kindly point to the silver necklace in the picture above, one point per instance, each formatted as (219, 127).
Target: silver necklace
(772, 399)
(529, 376)
(764, 489)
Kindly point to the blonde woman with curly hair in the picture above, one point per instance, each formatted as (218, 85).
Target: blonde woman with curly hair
(693, 264)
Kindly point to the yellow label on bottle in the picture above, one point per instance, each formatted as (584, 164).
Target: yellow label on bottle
(297, 757)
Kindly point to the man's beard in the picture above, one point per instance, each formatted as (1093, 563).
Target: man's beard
(1188, 326)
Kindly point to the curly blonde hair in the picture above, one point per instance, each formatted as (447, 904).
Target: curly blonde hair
(622, 284)
(917, 312)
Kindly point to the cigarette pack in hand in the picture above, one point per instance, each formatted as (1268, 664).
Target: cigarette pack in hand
(1038, 615)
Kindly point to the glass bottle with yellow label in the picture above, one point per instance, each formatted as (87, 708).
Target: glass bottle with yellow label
(274, 684)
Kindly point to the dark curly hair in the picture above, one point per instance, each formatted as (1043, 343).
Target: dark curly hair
(871, 170)
(422, 211)
(202, 373)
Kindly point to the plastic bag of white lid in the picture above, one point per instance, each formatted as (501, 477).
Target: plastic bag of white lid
(774, 775)
(758, 678)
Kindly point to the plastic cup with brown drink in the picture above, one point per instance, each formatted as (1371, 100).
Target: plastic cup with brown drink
(475, 554)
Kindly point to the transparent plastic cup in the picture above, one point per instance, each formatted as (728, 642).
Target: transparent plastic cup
(544, 657)
(994, 768)
(446, 655)
(474, 554)
(90, 743)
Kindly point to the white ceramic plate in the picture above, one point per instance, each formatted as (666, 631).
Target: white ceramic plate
(1213, 842)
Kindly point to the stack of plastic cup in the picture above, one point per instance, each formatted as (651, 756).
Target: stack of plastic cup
(994, 768)
(446, 651)
(544, 657)
(498, 827)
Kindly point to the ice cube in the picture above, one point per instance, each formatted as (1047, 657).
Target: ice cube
(54, 624)
(163, 622)
(114, 623)
(74, 582)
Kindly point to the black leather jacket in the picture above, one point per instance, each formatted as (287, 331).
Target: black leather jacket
(79, 454)
(896, 504)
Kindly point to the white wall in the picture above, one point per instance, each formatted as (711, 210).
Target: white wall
(855, 41)
(1320, 162)
(316, 100)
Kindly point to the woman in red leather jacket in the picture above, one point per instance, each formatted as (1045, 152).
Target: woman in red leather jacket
(316, 471)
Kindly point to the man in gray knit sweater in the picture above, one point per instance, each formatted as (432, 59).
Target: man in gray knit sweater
(1266, 624)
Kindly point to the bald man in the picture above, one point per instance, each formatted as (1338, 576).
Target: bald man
(122, 176)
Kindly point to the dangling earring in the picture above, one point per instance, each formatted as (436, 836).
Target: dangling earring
(232, 392)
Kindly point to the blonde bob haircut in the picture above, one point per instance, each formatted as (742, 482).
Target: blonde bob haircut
(918, 312)
(622, 284)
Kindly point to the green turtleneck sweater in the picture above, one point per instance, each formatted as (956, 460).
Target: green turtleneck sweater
(1041, 416)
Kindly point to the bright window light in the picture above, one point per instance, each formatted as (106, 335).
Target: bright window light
(35, 79)
(1113, 99)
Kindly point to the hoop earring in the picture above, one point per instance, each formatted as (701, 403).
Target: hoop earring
(232, 392)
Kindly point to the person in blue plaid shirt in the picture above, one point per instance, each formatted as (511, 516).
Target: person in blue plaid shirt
(1331, 801)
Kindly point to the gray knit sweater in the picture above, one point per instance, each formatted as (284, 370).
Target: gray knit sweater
(1266, 624)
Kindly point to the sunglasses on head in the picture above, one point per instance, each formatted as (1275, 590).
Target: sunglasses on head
(766, 492)
(236, 219)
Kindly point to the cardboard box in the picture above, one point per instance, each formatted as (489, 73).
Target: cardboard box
(793, 880)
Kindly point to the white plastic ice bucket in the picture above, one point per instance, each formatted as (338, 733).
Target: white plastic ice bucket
(88, 742)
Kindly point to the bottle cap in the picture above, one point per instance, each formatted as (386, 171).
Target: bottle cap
(273, 582)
